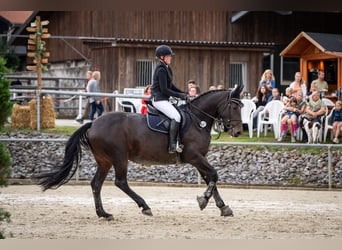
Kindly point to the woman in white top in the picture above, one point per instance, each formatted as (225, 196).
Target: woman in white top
(299, 84)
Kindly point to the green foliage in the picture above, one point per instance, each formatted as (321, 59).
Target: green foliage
(6, 105)
(5, 162)
(5, 112)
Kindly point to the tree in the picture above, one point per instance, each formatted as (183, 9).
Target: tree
(5, 112)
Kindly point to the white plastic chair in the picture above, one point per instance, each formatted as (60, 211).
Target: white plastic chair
(328, 102)
(247, 114)
(271, 115)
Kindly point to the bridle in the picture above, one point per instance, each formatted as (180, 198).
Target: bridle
(219, 121)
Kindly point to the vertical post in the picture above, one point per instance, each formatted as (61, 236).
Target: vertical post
(79, 106)
(39, 71)
(329, 166)
(38, 109)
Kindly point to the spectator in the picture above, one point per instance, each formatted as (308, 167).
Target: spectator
(267, 79)
(193, 92)
(314, 110)
(275, 95)
(289, 120)
(322, 85)
(299, 84)
(313, 88)
(147, 92)
(261, 99)
(212, 87)
(190, 84)
(336, 121)
(288, 95)
(80, 118)
(95, 101)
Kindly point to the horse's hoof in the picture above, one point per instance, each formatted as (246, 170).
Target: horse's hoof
(109, 218)
(147, 212)
(226, 211)
(202, 202)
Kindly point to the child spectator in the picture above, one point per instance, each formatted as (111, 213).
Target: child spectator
(290, 118)
(336, 120)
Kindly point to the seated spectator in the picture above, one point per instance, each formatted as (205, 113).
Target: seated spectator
(261, 99)
(288, 95)
(336, 121)
(311, 119)
(289, 119)
(313, 88)
(275, 95)
(267, 79)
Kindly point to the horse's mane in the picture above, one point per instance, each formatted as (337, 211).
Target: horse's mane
(207, 93)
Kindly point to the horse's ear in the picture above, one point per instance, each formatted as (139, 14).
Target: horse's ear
(237, 91)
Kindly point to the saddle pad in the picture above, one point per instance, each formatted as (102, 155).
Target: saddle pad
(156, 123)
(161, 124)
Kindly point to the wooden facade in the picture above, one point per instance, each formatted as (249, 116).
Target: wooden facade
(318, 51)
(205, 42)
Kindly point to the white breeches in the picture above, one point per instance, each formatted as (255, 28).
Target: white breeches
(168, 109)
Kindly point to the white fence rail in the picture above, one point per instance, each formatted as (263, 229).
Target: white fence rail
(128, 95)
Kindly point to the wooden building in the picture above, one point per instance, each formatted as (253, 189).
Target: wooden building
(212, 47)
(318, 52)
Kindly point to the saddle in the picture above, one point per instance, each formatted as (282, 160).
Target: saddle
(159, 122)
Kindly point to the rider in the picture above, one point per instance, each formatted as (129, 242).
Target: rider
(162, 89)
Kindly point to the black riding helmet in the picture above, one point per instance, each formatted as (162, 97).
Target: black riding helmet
(163, 50)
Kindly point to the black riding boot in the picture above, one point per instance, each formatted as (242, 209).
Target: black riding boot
(174, 145)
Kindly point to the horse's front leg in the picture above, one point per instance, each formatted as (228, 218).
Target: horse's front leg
(225, 210)
(210, 180)
(204, 199)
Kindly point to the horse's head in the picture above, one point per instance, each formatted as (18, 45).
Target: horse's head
(229, 112)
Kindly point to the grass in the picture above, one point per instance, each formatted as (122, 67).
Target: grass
(224, 137)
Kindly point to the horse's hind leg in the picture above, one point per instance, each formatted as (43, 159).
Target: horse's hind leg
(96, 185)
(121, 182)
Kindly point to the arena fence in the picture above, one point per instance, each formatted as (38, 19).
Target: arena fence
(116, 95)
(328, 147)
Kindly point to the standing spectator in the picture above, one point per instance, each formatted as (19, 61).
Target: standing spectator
(95, 101)
(267, 79)
(322, 85)
(190, 84)
(80, 118)
(220, 86)
(147, 92)
(193, 92)
(212, 87)
(336, 120)
(299, 84)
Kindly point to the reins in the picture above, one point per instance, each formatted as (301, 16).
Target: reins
(218, 121)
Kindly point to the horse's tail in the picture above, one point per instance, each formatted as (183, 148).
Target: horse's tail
(62, 173)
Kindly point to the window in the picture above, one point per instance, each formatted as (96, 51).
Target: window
(144, 71)
(289, 66)
(237, 74)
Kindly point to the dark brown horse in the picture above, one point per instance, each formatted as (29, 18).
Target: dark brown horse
(117, 137)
